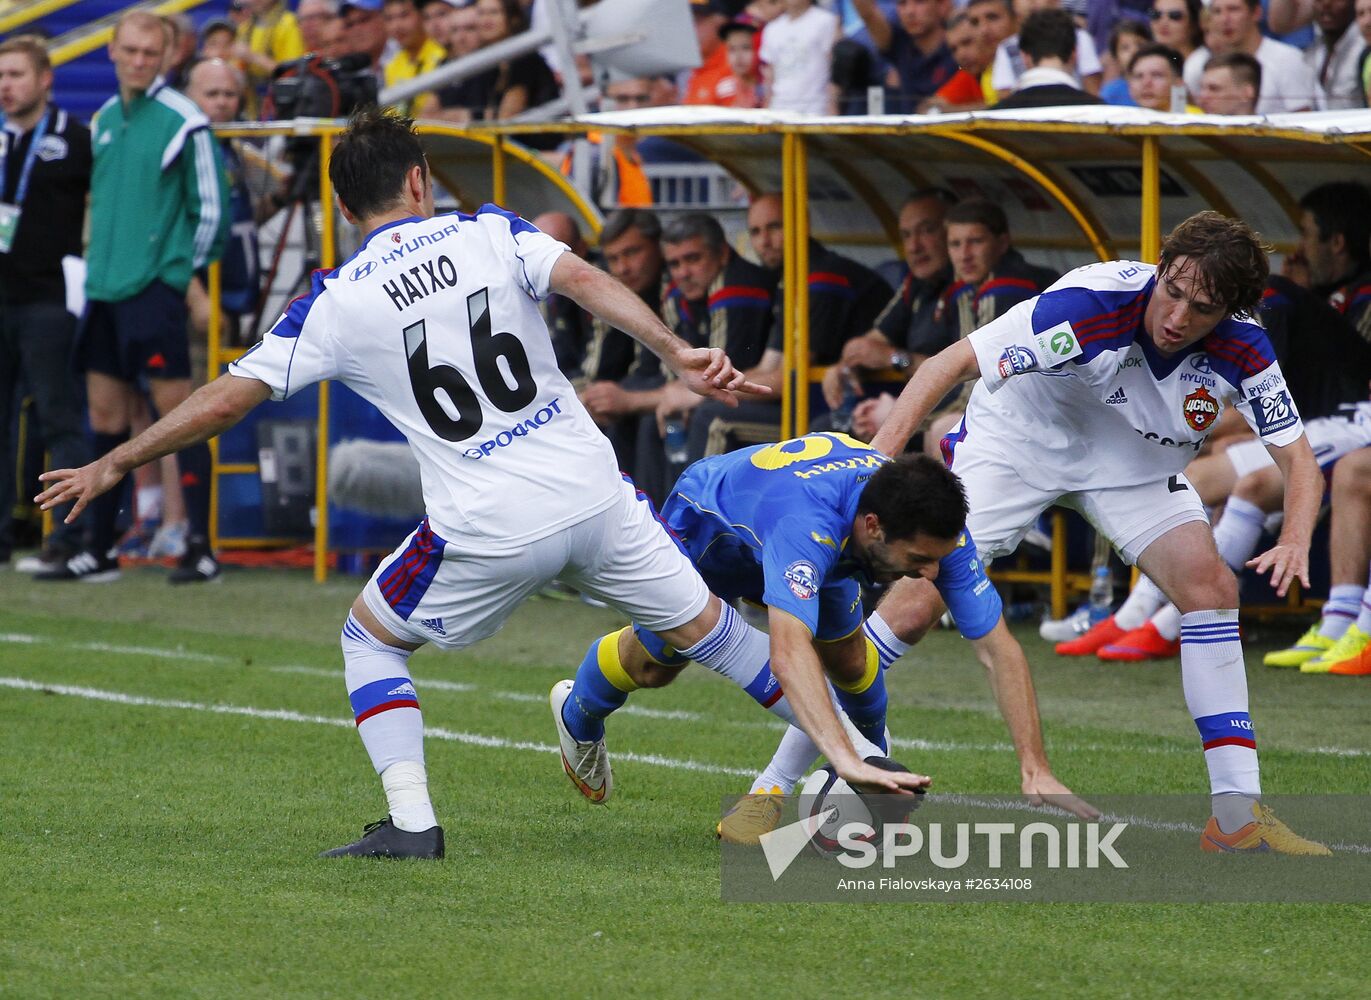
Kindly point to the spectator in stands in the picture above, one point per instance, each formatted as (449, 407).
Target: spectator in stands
(1335, 250)
(845, 298)
(1230, 85)
(1154, 78)
(796, 56)
(217, 89)
(1010, 63)
(1235, 26)
(1047, 41)
(316, 18)
(1363, 9)
(157, 214)
(742, 88)
(716, 299)
(1104, 17)
(437, 15)
(621, 381)
(216, 40)
(43, 187)
(905, 333)
(1334, 57)
(915, 45)
(464, 37)
(702, 87)
(270, 38)
(997, 23)
(566, 321)
(618, 180)
(181, 51)
(333, 39)
(416, 53)
(364, 31)
(1176, 24)
(1124, 42)
(973, 54)
(503, 91)
(989, 278)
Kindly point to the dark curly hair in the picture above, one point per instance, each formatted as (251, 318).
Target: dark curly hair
(1227, 257)
(915, 494)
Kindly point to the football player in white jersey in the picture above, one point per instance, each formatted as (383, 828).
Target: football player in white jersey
(1095, 395)
(435, 321)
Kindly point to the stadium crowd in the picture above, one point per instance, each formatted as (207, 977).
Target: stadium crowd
(142, 306)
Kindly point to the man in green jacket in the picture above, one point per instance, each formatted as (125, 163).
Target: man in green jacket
(158, 200)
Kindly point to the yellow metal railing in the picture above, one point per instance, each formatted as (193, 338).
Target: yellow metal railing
(30, 12)
(89, 37)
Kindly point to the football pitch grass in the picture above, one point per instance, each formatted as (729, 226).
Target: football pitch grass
(174, 759)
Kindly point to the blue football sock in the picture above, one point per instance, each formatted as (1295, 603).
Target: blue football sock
(865, 700)
(601, 687)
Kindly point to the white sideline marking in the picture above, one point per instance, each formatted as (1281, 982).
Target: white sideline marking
(286, 715)
(500, 743)
(674, 715)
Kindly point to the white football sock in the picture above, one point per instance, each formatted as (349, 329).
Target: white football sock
(1238, 532)
(1340, 610)
(1214, 679)
(1141, 604)
(389, 721)
(794, 757)
(1364, 619)
(742, 653)
(406, 785)
(1167, 622)
(889, 647)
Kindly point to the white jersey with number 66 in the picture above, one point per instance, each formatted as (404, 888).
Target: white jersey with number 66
(436, 323)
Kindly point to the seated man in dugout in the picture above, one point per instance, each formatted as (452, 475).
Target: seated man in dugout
(845, 298)
(989, 277)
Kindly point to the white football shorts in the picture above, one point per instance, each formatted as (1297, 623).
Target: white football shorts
(1330, 437)
(1003, 507)
(453, 594)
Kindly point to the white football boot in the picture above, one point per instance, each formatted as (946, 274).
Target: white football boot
(586, 764)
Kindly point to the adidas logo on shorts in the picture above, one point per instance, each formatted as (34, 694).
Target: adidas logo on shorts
(1119, 397)
(434, 625)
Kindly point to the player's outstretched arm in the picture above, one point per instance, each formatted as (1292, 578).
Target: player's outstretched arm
(1288, 559)
(933, 380)
(796, 666)
(1005, 662)
(208, 411)
(707, 371)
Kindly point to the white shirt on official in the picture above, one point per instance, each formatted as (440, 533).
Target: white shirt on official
(1073, 389)
(1009, 64)
(1288, 83)
(436, 323)
(799, 51)
(1337, 84)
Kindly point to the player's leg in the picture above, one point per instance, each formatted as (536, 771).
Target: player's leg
(1162, 527)
(391, 726)
(1236, 534)
(164, 345)
(1126, 633)
(1349, 543)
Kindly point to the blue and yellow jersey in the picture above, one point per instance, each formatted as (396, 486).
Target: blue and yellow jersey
(772, 524)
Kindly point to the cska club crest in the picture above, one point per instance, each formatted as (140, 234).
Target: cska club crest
(1200, 410)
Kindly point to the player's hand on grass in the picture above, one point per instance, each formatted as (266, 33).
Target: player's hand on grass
(868, 778)
(1046, 790)
(81, 485)
(708, 372)
(1286, 564)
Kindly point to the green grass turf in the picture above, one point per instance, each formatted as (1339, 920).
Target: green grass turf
(156, 851)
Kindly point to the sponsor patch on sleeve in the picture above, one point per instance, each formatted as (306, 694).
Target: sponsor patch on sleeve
(1057, 344)
(1016, 360)
(1274, 413)
(802, 579)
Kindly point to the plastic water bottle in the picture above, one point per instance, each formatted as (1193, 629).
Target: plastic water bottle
(1101, 593)
(675, 441)
(841, 418)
